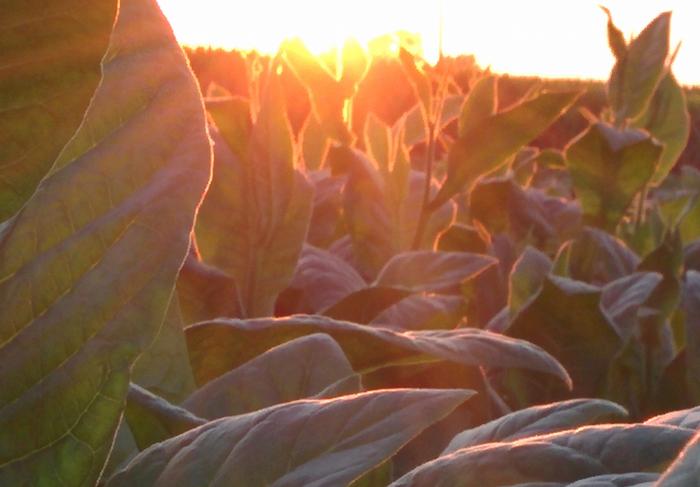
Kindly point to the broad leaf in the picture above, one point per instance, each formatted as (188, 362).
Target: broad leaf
(566, 320)
(526, 278)
(609, 166)
(221, 345)
(432, 271)
(597, 257)
(634, 479)
(686, 418)
(364, 305)
(87, 267)
(423, 312)
(329, 442)
(686, 469)
(538, 420)
(566, 456)
(152, 419)
(507, 132)
(667, 120)
(637, 74)
(259, 206)
(621, 299)
(691, 306)
(480, 104)
(322, 279)
(50, 55)
(298, 369)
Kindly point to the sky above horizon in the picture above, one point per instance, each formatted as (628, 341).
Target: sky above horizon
(550, 38)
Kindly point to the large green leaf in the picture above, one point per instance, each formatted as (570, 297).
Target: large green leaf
(686, 469)
(152, 419)
(87, 267)
(597, 257)
(621, 299)
(364, 305)
(432, 271)
(423, 312)
(164, 368)
(471, 157)
(330, 442)
(298, 369)
(50, 54)
(686, 418)
(262, 205)
(526, 278)
(566, 320)
(218, 346)
(637, 74)
(538, 420)
(566, 456)
(667, 120)
(322, 279)
(633, 479)
(609, 166)
(480, 104)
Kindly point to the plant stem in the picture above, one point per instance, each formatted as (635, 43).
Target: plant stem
(639, 214)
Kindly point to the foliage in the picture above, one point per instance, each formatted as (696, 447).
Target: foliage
(423, 300)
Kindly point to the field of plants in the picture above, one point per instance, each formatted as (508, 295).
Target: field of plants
(207, 291)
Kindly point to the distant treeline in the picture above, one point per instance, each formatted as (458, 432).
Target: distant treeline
(386, 92)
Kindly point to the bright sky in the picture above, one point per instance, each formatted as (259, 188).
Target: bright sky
(559, 38)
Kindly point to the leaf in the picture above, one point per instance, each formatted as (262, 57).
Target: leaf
(633, 479)
(470, 158)
(685, 470)
(616, 40)
(355, 64)
(314, 143)
(87, 267)
(164, 368)
(378, 141)
(686, 418)
(621, 300)
(50, 54)
(205, 292)
(691, 307)
(566, 320)
(364, 305)
(221, 345)
(323, 279)
(431, 271)
(597, 257)
(636, 75)
(538, 420)
(328, 442)
(480, 104)
(609, 166)
(416, 131)
(298, 369)
(152, 419)
(464, 238)
(327, 95)
(420, 82)
(565, 456)
(418, 312)
(367, 216)
(259, 208)
(526, 278)
(668, 121)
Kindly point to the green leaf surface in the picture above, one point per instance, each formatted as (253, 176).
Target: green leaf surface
(622, 299)
(668, 121)
(538, 420)
(364, 305)
(566, 320)
(330, 442)
(298, 369)
(597, 257)
(565, 456)
(87, 267)
(685, 418)
(526, 278)
(152, 419)
(686, 469)
(323, 279)
(423, 312)
(432, 271)
(221, 345)
(164, 368)
(633, 479)
(50, 54)
(609, 166)
(637, 74)
(480, 104)
(507, 132)
(257, 211)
